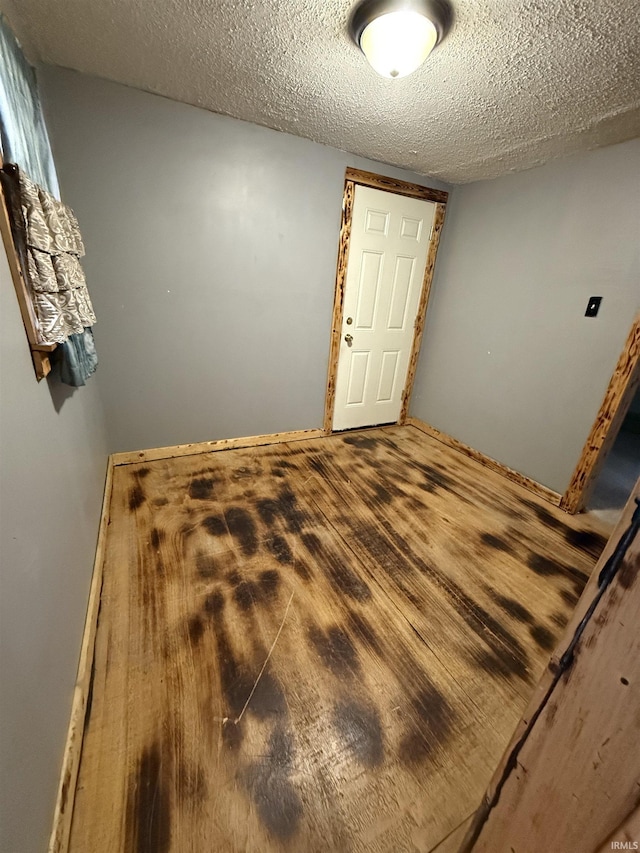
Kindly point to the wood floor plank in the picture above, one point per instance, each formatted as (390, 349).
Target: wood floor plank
(290, 647)
(412, 540)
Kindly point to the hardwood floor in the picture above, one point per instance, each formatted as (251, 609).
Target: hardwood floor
(315, 646)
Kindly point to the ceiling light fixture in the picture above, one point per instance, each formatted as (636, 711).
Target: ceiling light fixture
(396, 36)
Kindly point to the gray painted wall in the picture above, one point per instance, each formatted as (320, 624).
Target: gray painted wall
(211, 260)
(211, 252)
(52, 469)
(509, 364)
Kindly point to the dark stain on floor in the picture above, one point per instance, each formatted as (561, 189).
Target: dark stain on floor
(192, 784)
(157, 536)
(506, 653)
(336, 649)
(333, 563)
(543, 637)
(358, 726)
(243, 529)
(362, 442)
(283, 507)
(512, 607)
(136, 497)
(269, 583)
(559, 619)
(246, 595)
(496, 543)
(586, 540)
(235, 682)
(214, 525)
(269, 784)
(435, 479)
(384, 490)
(319, 466)
(280, 549)
(302, 568)
(214, 603)
(268, 699)
(363, 629)
(569, 597)
(195, 629)
(430, 730)
(545, 516)
(149, 811)
(201, 488)
(290, 512)
(542, 565)
(496, 662)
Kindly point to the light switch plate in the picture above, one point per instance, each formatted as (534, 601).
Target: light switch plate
(593, 306)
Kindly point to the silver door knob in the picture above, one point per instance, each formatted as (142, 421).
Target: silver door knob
(348, 339)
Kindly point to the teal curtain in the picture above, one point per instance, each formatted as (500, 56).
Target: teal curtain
(79, 359)
(22, 129)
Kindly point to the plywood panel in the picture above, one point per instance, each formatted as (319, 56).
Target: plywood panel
(571, 776)
(310, 646)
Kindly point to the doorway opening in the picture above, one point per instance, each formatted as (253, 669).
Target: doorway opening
(620, 470)
(380, 302)
(609, 421)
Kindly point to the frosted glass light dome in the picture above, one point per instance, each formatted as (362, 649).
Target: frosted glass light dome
(396, 36)
(399, 42)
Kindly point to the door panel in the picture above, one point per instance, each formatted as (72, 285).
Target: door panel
(387, 376)
(368, 288)
(402, 278)
(358, 369)
(388, 251)
(377, 222)
(411, 228)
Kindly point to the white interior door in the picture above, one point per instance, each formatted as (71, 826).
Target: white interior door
(388, 252)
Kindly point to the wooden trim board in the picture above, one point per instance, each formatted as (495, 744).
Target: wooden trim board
(153, 454)
(338, 302)
(569, 778)
(526, 482)
(394, 185)
(624, 382)
(63, 812)
(380, 182)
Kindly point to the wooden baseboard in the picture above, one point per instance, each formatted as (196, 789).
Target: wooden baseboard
(59, 840)
(155, 453)
(527, 483)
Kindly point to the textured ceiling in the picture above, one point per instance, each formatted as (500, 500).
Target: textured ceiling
(516, 82)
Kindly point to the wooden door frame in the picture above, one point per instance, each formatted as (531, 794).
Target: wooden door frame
(353, 178)
(622, 387)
